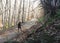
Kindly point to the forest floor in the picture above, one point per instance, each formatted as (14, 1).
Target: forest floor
(48, 33)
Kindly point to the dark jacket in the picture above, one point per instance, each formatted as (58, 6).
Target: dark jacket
(19, 25)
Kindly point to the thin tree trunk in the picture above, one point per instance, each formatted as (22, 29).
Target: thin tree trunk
(9, 15)
(14, 13)
(1, 12)
(28, 9)
(23, 13)
(19, 11)
(5, 15)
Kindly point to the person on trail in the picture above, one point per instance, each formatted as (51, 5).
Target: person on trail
(19, 26)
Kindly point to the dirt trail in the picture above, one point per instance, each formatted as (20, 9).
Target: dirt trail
(13, 32)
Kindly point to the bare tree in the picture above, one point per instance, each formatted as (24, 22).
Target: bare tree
(28, 8)
(5, 14)
(19, 11)
(14, 13)
(23, 12)
(9, 14)
(1, 10)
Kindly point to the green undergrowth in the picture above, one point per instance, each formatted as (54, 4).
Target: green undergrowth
(42, 35)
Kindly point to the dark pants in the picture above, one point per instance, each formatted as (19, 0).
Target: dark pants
(19, 29)
(19, 26)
